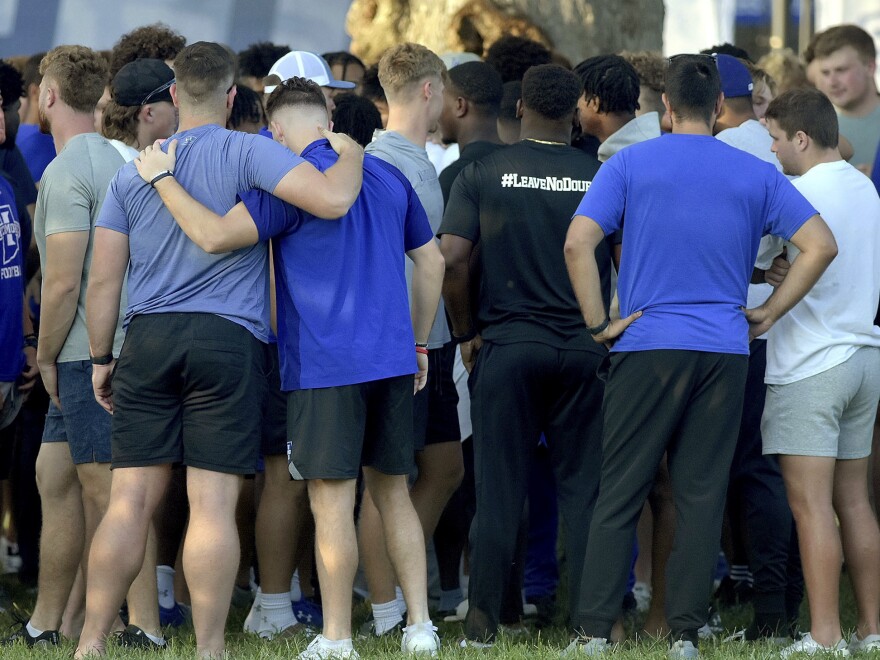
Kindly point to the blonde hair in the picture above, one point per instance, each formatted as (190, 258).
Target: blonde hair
(786, 69)
(79, 73)
(405, 65)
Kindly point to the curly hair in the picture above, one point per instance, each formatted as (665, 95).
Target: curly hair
(258, 58)
(157, 41)
(612, 80)
(651, 67)
(727, 49)
(512, 56)
(11, 84)
(247, 106)
(786, 68)
(357, 117)
(479, 83)
(121, 122)
(551, 90)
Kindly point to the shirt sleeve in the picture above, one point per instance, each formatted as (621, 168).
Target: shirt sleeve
(462, 216)
(264, 163)
(68, 202)
(605, 200)
(416, 229)
(113, 215)
(788, 209)
(271, 215)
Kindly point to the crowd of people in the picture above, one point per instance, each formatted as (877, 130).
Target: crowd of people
(282, 330)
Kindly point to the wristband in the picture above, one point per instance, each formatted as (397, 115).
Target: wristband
(161, 175)
(30, 341)
(422, 350)
(599, 328)
(102, 360)
(465, 337)
(422, 345)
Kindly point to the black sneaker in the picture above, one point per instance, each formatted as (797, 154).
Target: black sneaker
(135, 638)
(45, 639)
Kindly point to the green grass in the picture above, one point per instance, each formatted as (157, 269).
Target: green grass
(536, 645)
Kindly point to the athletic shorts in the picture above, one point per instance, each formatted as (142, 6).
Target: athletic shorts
(830, 414)
(274, 438)
(82, 423)
(189, 388)
(435, 408)
(333, 431)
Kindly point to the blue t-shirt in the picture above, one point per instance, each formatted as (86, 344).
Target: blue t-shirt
(342, 306)
(37, 148)
(693, 210)
(11, 287)
(168, 272)
(875, 171)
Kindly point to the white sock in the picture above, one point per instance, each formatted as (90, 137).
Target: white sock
(276, 613)
(401, 603)
(156, 640)
(165, 581)
(386, 616)
(33, 632)
(335, 644)
(295, 592)
(252, 621)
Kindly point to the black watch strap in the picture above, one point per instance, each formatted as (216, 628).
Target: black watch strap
(599, 328)
(465, 337)
(102, 360)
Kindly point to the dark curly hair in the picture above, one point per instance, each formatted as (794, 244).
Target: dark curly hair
(11, 83)
(479, 83)
(247, 106)
(258, 58)
(612, 80)
(157, 41)
(357, 117)
(371, 88)
(512, 56)
(551, 90)
(727, 49)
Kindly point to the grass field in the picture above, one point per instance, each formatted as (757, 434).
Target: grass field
(536, 645)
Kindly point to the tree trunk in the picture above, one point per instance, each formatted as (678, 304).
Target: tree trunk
(574, 28)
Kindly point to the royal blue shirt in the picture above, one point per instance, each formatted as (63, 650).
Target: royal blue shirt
(11, 287)
(167, 271)
(37, 148)
(692, 210)
(342, 306)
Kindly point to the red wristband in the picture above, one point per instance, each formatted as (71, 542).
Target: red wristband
(423, 351)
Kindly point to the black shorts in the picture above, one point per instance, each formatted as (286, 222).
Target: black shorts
(188, 388)
(435, 408)
(274, 439)
(334, 431)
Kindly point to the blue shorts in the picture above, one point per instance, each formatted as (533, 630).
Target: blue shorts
(81, 423)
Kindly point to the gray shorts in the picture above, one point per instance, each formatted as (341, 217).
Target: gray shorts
(81, 423)
(10, 403)
(830, 414)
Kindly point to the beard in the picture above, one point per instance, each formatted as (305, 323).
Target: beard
(43, 120)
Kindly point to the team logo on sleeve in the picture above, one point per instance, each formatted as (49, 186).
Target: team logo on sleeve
(552, 183)
(10, 234)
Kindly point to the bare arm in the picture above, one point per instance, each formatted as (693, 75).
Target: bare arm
(457, 252)
(65, 256)
(427, 281)
(29, 375)
(331, 193)
(584, 235)
(211, 232)
(109, 262)
(817, 249)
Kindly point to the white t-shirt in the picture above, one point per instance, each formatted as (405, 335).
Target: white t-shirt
(752, 137)
(836, 317)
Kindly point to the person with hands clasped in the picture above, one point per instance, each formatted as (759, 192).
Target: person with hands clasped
(193, 368)
(346, 347)
(676, 372)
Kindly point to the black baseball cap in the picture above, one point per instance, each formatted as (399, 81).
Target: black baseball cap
(143, 81)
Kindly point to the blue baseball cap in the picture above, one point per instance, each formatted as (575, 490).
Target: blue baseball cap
(735, 77)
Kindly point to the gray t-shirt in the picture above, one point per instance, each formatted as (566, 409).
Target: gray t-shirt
(864, 134)
(412, 160)
(71, 194)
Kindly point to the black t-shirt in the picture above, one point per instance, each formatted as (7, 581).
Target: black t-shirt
(470, 153)
(518, 202)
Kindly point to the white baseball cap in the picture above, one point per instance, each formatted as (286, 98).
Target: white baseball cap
(302, 64)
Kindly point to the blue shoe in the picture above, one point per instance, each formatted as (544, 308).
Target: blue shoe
(308, 613)
(174, 617)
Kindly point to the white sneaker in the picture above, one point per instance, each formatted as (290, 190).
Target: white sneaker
(642, 593)
(461, 611)
(809, 646)
(318, 650)
(683, 649)
(869, 643)
(252, 621)
(421, 639)
(587, 646)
